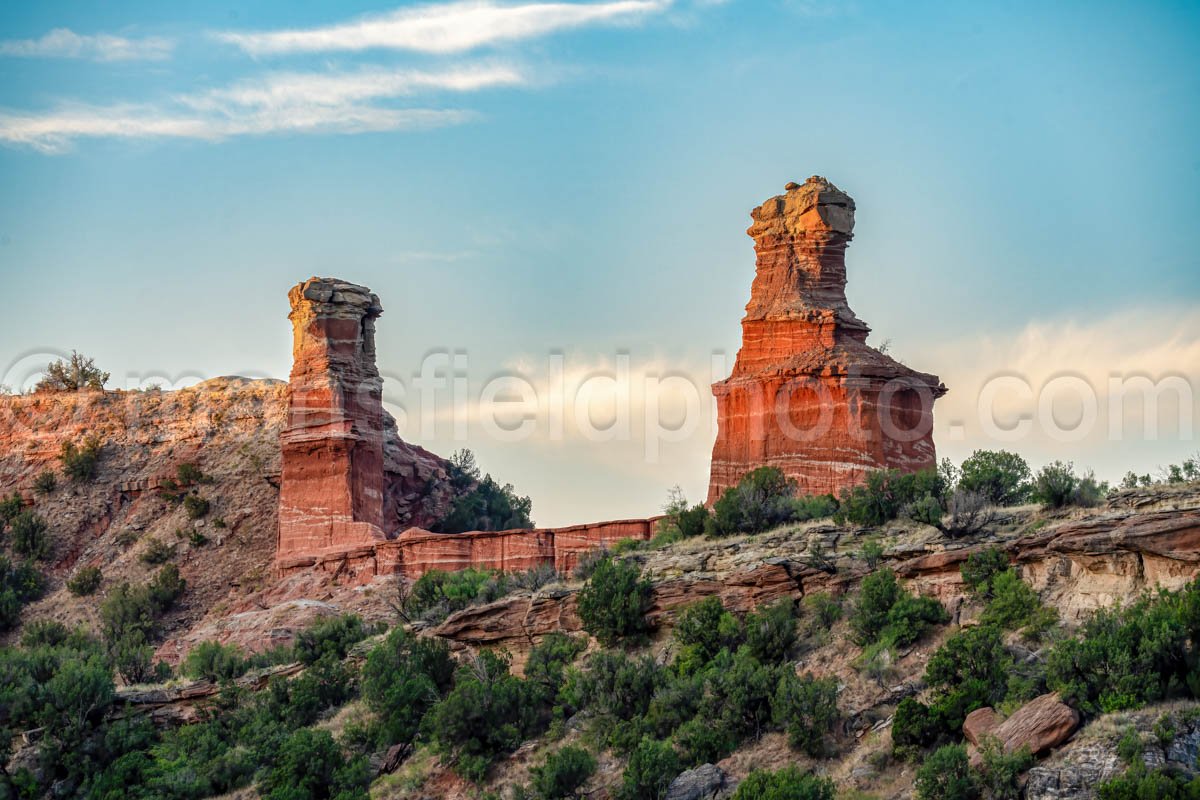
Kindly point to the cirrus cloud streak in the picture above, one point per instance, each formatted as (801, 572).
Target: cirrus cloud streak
(445, 28)
(345, 102)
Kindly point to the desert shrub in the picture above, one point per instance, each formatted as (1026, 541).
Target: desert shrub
(651, 768)
(129, 608)
(45, 483)
(85, 581)
(969, 671)
(157, 552)
(481, 504)
(29, 537)
(195, 506)
(330, 635)
(914, 727)
(615, 686)
(165, 588)
(704, 742)
(947, 775)
(20, 584)
(680, 520)
(1000, 476)
(1140, 783)
(886, 613)
(877, 594)
(1014, 603)
(613, 602)
(71, 375)
(214, 661)
(967, 513)
(562, 774)
(871, 553)
(887, 493)
(1089, 491)
(437, 594)
(401, 680)
(589, 561)
(817, 506)
(189, 473)
(1126, 656)
(1001, 771)
(762, 499)
(483, 717)
(823, 608)
(981, 567)
(771, 631)
(133, 660)
(911, 617)
(704, 627)
(806, 707)
(546, 667)
(310, 766)
(81, 462)
(534, 578)
(738, 693)
(788, 783)
(1056, 486)
(10, 507)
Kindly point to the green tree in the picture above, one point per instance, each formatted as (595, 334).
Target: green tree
(481, 504)
(402, 679)
(483, 717)
(613, 602)
(72, 375)
(1000, 476)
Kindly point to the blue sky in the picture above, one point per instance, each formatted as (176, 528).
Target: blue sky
(520, 179)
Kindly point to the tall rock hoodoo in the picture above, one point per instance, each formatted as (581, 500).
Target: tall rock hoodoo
(331, 494)
(807, 394)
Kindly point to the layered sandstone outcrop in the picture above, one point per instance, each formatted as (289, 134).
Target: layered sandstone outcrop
(807, 394)
(331, 489)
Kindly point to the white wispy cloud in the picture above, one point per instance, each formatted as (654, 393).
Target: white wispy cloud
(65, 43)
(346, 102)
(444, 28)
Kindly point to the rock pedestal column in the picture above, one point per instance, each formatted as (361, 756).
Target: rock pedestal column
(807, 394)
(331, 494)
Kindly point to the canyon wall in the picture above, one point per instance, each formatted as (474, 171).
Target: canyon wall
(807, 394)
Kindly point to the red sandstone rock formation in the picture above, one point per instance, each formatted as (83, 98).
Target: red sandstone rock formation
(331, 488)
(807, 394)
(1040, 725)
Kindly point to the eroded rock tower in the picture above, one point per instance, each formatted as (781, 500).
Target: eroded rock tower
(807, 394)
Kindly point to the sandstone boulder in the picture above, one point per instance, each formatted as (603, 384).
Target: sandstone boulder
(1040, 725)
(980, 723)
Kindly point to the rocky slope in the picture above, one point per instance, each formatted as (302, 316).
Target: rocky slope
(229, 428)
